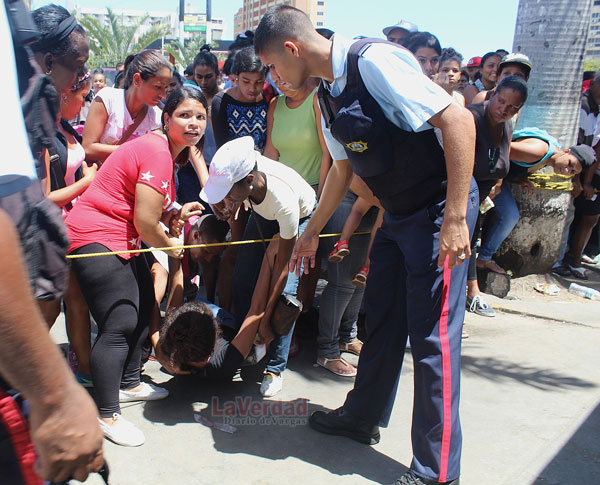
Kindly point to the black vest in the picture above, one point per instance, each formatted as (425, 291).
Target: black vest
(406, 170)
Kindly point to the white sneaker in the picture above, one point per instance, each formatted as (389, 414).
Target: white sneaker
(271, 384)
(122, 432)
(148, 392)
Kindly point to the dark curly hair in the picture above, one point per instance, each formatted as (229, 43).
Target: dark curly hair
(189, 334)
(449, 54)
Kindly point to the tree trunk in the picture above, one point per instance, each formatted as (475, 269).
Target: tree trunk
(553, 34)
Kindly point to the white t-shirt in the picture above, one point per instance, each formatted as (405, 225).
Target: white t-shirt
(17, 168)
(289, 197)
(119, 118)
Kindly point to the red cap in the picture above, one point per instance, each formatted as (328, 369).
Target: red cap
(474, 62)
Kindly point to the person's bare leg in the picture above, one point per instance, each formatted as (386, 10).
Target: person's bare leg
(472, 289)
(359, 209)
(78, 325)
(581, 238)
(50, 310)
(376, 226)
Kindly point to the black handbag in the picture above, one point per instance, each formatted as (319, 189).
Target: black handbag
(286, 312)
(288, 307)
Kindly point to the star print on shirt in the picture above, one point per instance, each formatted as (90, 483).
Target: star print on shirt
(133, 242)
(165, 184)
(147, 176)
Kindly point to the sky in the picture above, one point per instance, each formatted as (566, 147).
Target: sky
(472, 27)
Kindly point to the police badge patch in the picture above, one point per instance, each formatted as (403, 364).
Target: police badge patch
(357, 146)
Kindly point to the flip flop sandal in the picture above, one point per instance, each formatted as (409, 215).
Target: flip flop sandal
(350, 347)
(578, 272)
(586, 259)
(360, 279)
(324, 365)
(490, 265)
(338, 252)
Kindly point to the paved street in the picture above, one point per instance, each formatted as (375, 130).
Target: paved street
(530, 413)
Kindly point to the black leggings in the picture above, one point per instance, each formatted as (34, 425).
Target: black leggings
(120, 296)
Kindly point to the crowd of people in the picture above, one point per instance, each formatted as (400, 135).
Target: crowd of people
(400, 148)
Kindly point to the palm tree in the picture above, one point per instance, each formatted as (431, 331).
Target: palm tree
(111, 44)
(553, 34)
(184, 54)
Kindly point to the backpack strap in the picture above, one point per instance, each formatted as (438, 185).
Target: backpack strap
(65, 125)
(354, 80)
(329, 105)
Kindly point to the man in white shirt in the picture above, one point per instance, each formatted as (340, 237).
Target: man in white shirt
(381, 128)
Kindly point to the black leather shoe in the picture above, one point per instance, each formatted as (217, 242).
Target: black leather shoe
(341, 423)
(409, 478)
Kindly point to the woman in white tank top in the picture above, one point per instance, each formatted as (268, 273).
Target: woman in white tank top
(118, 115)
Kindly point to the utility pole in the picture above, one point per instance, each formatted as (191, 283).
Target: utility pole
(181, 16)
(208, 21)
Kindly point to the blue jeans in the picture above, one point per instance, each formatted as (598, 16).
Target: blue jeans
(245, 276)
(507, 216)
(340, 301)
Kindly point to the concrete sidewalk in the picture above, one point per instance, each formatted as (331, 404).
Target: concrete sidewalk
(530, 413)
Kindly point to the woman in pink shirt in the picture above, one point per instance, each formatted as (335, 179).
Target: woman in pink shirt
(125, 204)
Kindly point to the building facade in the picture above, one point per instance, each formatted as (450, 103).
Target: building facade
(592, 47)
(238, 22)
(194, 23)
(248, 17)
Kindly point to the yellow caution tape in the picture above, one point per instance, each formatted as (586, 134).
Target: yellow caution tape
(207, 245)
(551, 181)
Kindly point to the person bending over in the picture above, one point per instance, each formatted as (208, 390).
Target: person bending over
(282, 203)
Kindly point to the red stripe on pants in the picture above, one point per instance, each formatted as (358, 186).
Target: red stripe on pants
(16, 426)
(446, 376)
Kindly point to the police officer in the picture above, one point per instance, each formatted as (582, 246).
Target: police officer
(379, 112)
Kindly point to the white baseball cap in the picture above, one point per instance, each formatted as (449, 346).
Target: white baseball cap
(403, 24)
(232, 162)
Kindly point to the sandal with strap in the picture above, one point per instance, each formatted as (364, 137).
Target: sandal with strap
(490, 265)
(578, 272)
(339, 359)
(360, 279)
(340, 251)
(353, 347)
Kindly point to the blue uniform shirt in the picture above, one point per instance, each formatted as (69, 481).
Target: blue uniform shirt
(394, 78)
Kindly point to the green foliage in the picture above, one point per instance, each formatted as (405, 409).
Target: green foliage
(185, 54)
(113, 43)
(592, 64)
